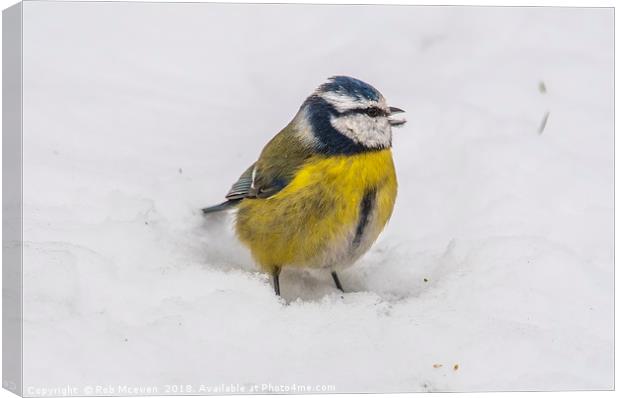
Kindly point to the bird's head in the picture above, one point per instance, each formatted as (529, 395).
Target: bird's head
(346, 115)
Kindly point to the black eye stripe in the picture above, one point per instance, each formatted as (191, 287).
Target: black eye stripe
(373, 111)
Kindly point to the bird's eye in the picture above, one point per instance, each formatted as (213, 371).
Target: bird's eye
(373, 112)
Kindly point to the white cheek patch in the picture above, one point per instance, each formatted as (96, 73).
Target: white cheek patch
(364, 130)
(361, 128)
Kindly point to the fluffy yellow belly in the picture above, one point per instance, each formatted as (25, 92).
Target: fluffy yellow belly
(315, 220)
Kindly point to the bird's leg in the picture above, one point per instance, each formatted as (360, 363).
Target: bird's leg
(337, 281)
(276, 280)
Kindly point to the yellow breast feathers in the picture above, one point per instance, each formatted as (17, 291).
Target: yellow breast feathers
(327, 216)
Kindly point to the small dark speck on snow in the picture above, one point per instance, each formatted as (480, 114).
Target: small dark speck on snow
(542, 87)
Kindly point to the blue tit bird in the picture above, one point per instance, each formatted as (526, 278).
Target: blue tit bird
(324, 187)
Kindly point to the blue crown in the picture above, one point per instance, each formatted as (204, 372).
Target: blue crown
(352, 87)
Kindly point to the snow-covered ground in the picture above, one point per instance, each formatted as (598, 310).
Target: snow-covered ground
(498, 258)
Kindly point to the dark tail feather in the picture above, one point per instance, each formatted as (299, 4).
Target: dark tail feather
(229, 204)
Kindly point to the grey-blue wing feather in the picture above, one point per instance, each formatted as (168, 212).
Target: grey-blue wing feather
(229, 204)
(241, 189)
(273, 171)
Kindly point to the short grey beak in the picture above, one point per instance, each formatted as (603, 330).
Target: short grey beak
(393, 121)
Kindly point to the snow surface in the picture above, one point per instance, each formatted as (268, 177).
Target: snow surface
(137, 115)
